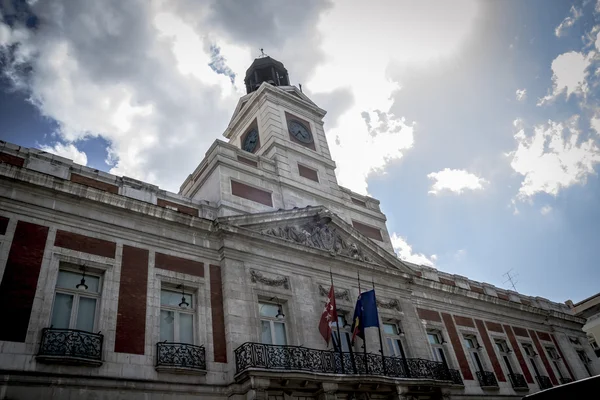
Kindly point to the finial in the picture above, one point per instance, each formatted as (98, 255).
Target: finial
(262, 53)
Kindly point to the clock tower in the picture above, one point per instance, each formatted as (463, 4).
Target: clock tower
(277, 157)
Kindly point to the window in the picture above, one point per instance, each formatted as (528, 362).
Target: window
(585, 360)
(473, 348)
(76, 300)
(504, 352)
(437, 346)
(272, 324)
(176, 318)
(531, 354)
(393, 339)
(344, 333)
(556, 361)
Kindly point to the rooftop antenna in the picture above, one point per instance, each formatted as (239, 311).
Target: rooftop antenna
(511, 278)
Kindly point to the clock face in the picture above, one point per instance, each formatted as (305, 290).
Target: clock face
(300, 132)
(250, 141)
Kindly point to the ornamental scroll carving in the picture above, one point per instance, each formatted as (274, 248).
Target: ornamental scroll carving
(390, 305)
(320, 235)
(256, 276)
(340, 294)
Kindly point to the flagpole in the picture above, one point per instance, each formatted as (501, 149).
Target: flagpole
(364, 332)
(337, 324)
(379, 328)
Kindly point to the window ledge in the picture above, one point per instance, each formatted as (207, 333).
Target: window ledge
(491, 387)
(521, 389)
(68, 360)
(180, 370)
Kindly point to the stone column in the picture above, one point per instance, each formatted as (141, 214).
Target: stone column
(328, 391)
(258, 389)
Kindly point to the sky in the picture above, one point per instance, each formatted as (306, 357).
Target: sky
(478, 122)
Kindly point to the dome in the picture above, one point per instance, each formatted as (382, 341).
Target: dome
(265, 69)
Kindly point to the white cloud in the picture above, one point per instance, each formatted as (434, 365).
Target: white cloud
(553, 158)
(569, 72)
(521, 94)
(545, 210)
(595, 122)
(68, 151)
(597, 42)
(460, 255)
(455, 180)
(568, 22)
(404, 252)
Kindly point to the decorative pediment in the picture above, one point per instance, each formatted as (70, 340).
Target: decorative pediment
(319, 234)
(340, 294)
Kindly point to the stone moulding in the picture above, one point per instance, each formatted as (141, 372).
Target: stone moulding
(340, 294)
(256, 276)
(390, 305)
(321, 235)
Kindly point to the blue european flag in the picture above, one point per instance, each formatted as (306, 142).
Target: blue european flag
(365, 314)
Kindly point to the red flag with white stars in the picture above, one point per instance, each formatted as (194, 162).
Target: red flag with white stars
(329, 316)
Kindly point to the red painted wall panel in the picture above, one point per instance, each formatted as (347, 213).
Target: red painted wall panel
(429, 315)
(518, 354)
(218, 319)
(131, 313)
(457, 345)
(542, 355)
(490, 349)
(85, 244)
(20, 279)
(177, 264)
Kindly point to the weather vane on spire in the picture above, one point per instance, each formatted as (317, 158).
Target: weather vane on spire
(262, 53)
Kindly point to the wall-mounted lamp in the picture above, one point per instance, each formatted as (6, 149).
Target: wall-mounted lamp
(81, 285)
(183, 304)
(280, 314)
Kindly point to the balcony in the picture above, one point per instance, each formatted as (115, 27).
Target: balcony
(301, 359)
(70, 346)
(518, 382)
(180, 358)
(456, 377)
(487, 379)
(565, 380)
(543, 382)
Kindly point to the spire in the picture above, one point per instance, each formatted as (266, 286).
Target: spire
(265, 69)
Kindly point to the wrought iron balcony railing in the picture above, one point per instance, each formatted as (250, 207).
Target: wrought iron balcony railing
(71, 345)
(180, 355)
(565, 380)
(544, 382)
(518, 381)
(296, 358)
(456, 377)
(487, 379)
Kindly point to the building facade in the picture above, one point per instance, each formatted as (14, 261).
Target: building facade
(113, 288)
(590, 310)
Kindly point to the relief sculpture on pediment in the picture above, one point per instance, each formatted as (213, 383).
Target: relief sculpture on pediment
(319, 235)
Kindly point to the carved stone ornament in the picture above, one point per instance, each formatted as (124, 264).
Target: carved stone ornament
(319, 234)
(390, 305)
(256, 276)
(341, 294)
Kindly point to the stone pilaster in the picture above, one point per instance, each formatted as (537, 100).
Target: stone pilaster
(328, 391)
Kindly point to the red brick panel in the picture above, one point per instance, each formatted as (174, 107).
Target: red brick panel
(429, 315)
(3, 225)
(542, 354)
(490, 349)
(562, 356)
(308, 173)
(20, 279)
(503, 296)
(218, 319)
(85, 244)
(183, 265)
(457, 345)
(247, 161)
(447, 281)
(525, 302)
(518, 354)
(544, 336)
(476, 289)
(84, 180)
(181, 208)
(131, 311)
(359, 202)
(464, 321)
(520, 331)
(12, 160)
(251, 193)
(494, 326)
(368, 231)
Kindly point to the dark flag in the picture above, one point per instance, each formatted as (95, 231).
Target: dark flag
(365, 314)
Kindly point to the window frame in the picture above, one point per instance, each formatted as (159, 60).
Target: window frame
(345, 332)
(438, 350)
(476, 358)
(504, 351)
(77, 294)
(272, 321)
(191, 310)
(397, 337)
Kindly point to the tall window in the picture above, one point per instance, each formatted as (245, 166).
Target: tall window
(393, 339)
(176, 316)
(272, 324)
(473, 348)
(585, 360)
(556, 361)
(437, 346)
(504, 352)
(76, 300)
(344, 333)
(531, 354)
